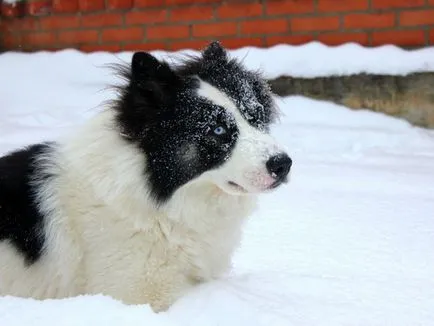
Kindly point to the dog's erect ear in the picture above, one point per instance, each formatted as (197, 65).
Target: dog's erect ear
(154, 78)
(143, 63)
(144, 66)
(215, 51)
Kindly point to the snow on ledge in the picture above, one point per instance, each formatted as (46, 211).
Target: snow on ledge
(313, 59)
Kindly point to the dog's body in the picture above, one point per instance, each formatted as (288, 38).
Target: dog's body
(149, 197)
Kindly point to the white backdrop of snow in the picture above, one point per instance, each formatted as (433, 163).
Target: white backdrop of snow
(349, 242)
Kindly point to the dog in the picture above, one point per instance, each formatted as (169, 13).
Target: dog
(146, 199)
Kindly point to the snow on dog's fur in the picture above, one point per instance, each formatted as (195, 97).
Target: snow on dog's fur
(148, 198)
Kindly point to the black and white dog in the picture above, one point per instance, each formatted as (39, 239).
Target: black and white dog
(148, 198)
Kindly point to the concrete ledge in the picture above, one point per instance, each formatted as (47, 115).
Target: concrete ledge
(410, 97)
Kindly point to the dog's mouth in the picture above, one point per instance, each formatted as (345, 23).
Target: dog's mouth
(277, 183)
(237, 187)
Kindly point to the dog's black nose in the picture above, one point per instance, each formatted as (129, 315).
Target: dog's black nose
(279, 165)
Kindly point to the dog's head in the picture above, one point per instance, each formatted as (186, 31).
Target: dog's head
(206, 120)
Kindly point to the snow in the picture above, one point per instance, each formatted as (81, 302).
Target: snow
(350, 241)
(12, 2)
(316, 59)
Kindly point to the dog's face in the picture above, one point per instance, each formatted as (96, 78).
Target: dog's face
(205, 121)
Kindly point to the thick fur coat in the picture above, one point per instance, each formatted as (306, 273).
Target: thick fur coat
(149, 197)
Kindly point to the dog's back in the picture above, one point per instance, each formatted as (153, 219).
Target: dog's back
(32, 263)
(21, 223)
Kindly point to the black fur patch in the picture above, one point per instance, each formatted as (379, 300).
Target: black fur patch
(246, 88)
(182, 135)
(21, 223)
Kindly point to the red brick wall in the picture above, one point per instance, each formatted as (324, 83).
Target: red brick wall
(173, 24)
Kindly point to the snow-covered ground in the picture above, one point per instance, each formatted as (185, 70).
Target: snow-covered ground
(350, 241)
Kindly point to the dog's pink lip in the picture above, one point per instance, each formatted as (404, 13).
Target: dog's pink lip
(237, 186)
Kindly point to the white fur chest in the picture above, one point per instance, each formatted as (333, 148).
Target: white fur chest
(132, 249)
(207, 224)
(157, 260)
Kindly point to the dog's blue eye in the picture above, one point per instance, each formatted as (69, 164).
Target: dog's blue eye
(219, 131)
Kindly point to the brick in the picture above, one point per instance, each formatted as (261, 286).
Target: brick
(100, 47)
(288, 39)
(374, 20)
(144, 46)
(101, 20)
(240, 42)
(65, 6)
(91, 5)
(431, 37)
(314, 24)
(342, 38)
(59, 22)
(239, 10)
(78, 37)
(145, 17)
(387, 4)
(289, 7)
(418, 17)
(264, 26)
(191, 13)
(180, 2)
(167, 32)
(119, 4)
(217, 29)
(51, 48)
(38, 8)
(22, 24)
(148, 3)
(184, 2)
(403, 38)
(342, 5)
(39, 38)
(11, 40)
(4, 28)
(193, 45)
(122, 34)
